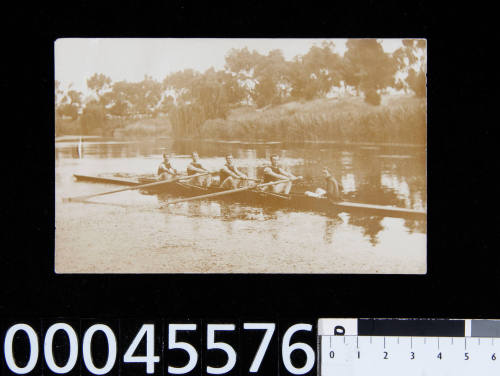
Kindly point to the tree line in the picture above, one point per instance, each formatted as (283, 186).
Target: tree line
(189, 98)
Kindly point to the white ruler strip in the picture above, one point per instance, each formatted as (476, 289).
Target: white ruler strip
(388, 356)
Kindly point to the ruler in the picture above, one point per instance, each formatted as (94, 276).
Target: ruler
(408, 347)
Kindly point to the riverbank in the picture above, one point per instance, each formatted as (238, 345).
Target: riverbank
(118, 128)
(397, 120)
(400, 119)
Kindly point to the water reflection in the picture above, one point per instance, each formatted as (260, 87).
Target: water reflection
(370, 225)
(330, 226)
(378, 175)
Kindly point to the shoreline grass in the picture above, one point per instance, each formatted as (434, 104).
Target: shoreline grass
(348, 120)
(398, 120)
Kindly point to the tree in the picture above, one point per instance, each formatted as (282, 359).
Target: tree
(67, 110)
(93, 118)
(241, 64)
(215, 91)
(368, 68)
(314, 74)
(417, 82)
(75, 97)
(70, 104)
(59, 93)
(148, 96)
(264, 77)
(98, 83)
(133, 98)
(201, 97)
(271, 74)
(180, 84)
(411, 62)
(167, 104)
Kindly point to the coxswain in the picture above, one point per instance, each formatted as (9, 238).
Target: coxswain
(274, 172)
(230, 176)
(195, 167)
(165, 169)
(332, 186)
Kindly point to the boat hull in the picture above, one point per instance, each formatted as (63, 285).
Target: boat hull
(294, 201)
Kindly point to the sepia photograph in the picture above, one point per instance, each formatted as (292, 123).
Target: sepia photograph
(192, 155)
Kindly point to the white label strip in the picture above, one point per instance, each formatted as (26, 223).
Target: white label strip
(348, 327)
(468, 328)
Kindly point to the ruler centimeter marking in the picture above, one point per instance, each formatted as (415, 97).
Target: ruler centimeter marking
(408, 346)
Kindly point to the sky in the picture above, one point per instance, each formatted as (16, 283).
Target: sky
(130, 59)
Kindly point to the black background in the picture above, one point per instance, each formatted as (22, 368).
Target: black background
(463, 270)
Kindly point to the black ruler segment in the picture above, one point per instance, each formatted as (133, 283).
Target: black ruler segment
(411, 327)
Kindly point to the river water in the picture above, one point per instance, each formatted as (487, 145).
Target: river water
(127, 232)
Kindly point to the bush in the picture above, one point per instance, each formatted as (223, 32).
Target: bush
(93, 118)
(146, 128)
(372, 97)
(417, 82)
(66, 126)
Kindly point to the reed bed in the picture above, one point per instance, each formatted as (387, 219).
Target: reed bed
(345, 121)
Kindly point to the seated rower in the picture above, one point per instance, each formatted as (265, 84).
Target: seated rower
(165, 169)
(195, 167)
(274, 172)
(230, 176)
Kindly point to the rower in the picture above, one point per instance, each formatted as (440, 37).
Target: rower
(274, 172)
(230, 176)
(165, 169)
(195, 167)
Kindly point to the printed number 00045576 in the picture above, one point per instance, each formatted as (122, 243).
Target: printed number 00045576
(147, 332)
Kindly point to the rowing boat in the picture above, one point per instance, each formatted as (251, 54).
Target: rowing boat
(255, 197)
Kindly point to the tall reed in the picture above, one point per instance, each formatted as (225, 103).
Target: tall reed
(397, 123)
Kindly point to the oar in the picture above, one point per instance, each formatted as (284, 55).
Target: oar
(224, 192)
(80, 198)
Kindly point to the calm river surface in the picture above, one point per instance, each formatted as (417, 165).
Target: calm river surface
(127, 232)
